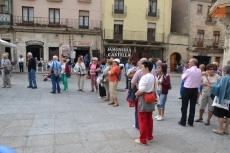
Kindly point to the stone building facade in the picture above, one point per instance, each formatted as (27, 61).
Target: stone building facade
(69, 27)
(206, 35)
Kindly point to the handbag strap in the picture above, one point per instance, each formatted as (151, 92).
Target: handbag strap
(207, 79)
(154, 83)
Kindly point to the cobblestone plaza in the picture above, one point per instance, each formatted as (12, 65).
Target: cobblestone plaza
(35, 121)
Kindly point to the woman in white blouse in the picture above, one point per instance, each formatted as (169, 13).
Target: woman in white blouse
(21, 64)
(147, 84)
(80, 69)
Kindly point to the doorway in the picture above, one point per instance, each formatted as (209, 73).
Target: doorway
(175, 59)
(203, 60)
(81, 51)
(36, 50)
(53, 51)
(8, 50)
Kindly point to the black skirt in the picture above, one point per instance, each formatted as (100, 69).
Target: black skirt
(102, 91)
(221, 113)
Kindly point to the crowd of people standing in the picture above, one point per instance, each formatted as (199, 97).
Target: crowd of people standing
(202, 85)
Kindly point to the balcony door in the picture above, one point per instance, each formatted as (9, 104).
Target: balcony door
(118, 30)
(119, 6)
(151, 32)
(84, 19)
(54, 16)
(200, 39)
(216, 37)
(152, 8)
(27, 14)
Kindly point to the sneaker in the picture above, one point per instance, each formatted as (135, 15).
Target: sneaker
(160, 118)
(157, 116)
(139, 142)
(150, 141)
(100, 97)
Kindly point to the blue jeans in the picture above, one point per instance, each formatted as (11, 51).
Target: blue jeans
(181, 88)
(162, 99)
(32, 78)
(55, 83)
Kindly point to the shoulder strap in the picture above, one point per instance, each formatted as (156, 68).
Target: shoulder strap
(154, 83)
(207, 79)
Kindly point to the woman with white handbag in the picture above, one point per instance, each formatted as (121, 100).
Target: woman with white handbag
(221, 90)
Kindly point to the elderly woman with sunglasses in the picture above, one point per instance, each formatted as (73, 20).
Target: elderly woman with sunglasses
(94, 68)
(207, 81)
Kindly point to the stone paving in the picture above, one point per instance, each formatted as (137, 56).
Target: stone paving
(35, 121)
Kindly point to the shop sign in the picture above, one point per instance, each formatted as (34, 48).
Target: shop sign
(65, 50)
(34, 42)
(73, 54)
(5, 36)
(82, 43)
(119, 52)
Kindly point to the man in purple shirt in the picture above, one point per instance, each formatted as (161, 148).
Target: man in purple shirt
(192, 81)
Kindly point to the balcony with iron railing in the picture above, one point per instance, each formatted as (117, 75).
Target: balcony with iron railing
(119, 10)
(155, 14)
(208, 43)
(209, 20)
(56, 23)
(85, 1)
(132, 35)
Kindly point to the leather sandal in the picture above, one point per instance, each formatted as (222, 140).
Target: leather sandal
(218, 132)
(115, 105)
(199, 120)
(111, 103)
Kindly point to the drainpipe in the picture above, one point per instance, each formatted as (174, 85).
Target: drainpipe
(189, 26)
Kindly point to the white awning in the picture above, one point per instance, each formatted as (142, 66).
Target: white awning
(7, 44)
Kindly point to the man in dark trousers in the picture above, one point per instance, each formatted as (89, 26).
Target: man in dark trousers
(192, 81)
(31, 71)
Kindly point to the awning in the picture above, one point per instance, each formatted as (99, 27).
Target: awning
(218, 10)
(7, 44)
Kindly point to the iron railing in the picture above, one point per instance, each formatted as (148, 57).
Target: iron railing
(132, 35)
(207, 43)
(58, 23)
(119, 9)
(86, 1)
(153, 14)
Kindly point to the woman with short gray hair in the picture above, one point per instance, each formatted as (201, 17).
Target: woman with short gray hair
(222, 91)
(6, 67)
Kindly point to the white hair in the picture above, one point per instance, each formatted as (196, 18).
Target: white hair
(29, 54)
(55, 57)
(216, 63)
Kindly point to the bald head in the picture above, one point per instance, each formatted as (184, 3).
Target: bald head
(216, 63)
(141, 61)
